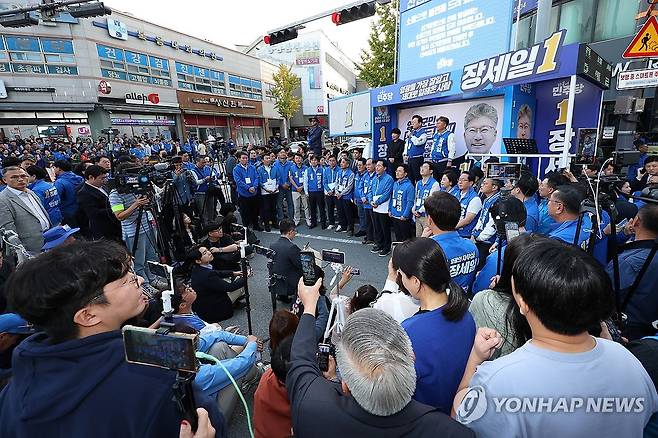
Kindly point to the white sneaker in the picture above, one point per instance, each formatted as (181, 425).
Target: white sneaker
(330, 227)
(339, 229)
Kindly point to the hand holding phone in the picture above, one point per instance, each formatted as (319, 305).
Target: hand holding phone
(307, 259)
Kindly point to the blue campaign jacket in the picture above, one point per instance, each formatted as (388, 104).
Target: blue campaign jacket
(402, 199)
(422, 191)
(368, 178)
(546, 222)
(297, 175)
(345, 181)
(532, 212)
(464, 201)
(67, 185)
(329, 175)
(314, 179)
(566, 232)
(440, 146)
(484, 216)
(358, 187)
(263, 176)
(201, 174)
(47, 192)
(58, 390)
(462, 256)
(381, 186)
(283, 171)
(240, 175)
(416, 143)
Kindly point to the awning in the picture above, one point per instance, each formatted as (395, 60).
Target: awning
(139, 109)
(210, 113)
(46, 106)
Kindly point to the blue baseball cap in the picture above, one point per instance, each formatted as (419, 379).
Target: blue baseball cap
(14, 324)
(56, 236)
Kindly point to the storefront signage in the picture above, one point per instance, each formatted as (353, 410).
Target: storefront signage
(223, 102)
(593, 67)
(31, 89)
(66, 121)
(540, 59)
(157, 40)
(442, 36)
(337, 89)
(144, 122)
(307, 58)
(633, 79)
(117, 29)
(152, 99)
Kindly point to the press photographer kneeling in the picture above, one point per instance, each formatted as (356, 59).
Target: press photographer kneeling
(72, 379)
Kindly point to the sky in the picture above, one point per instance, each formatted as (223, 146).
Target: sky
(241, 22)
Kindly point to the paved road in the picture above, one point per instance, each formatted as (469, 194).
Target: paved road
(373, 271)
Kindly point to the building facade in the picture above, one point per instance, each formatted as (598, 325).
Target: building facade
(125, 73)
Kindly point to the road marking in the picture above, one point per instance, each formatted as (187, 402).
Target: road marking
(325, 238)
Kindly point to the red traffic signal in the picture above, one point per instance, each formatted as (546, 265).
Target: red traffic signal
(280, 36)
(335, 18)
(266, 39)
(354, 13)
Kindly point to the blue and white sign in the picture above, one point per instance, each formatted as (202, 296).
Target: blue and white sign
(444, 35)
(117, 29)
(136, 58)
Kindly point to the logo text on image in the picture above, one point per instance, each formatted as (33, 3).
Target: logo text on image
(384, 97)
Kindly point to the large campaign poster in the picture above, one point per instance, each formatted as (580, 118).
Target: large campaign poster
(552, 110)
(477, 124)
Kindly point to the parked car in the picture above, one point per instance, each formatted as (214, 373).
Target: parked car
(294, 146)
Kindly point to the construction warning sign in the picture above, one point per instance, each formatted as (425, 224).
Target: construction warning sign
(645, 43)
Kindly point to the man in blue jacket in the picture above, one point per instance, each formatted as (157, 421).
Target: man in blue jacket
(443, 212)
(47, 192)
(359, 178)
(367, 208)
(524, 191)
(76, 367)
(415, 149)
(67, 184)
(314, 137)
(470, 202)
(299, 197)
(379, 197)
(330, 181)
(283, 166)
(204, 203)
(246, 180)
(313, 184)
(268, 180)
(402, 201)
(564, 208)
(642, 307)
(344, 196)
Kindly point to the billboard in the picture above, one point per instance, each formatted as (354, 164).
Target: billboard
(350, 115)
(477, 124)
(442, 35)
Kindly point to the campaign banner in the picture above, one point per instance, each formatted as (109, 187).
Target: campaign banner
(384, 120)
(439, 36)
(477, 124)
(551, 118)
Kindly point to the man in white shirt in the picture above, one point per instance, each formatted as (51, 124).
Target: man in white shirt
(21, 210)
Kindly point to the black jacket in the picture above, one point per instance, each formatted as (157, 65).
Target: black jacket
(395, 150)
(287, 264)
(341, 416)
(96, 207)
(212, 302)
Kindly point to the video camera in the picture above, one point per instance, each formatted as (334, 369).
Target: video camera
(139, 180)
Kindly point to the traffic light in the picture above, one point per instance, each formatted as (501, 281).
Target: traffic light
(280, 36)
(23, 19)
(87, 10)
(354, 13)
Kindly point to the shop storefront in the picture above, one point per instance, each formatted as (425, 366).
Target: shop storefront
(137, 111)
(222, 117)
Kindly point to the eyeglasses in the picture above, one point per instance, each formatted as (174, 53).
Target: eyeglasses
(483, 130)
(555, 202)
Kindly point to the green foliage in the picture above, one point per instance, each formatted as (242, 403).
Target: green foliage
(378, 62)
(285, 82)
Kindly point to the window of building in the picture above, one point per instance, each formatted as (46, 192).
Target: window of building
(614, 19)
(268, 92)
(577, 17)
(245, 87)
(131, 66)
(192, 77)
(37, 55)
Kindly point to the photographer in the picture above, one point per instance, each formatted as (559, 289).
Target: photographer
(181, 178)
(375, 359)
(562, 292)
(204, 201)
(127, 208)
(226, 253)
(75, 368)
(642, 308)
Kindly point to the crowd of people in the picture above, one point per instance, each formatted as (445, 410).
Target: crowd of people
(507, 310)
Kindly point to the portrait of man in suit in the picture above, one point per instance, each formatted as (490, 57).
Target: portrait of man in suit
(21, 209)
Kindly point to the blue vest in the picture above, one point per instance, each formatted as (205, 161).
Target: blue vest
(343, 180)
(367, 187)
(464, 200)
(297, 174)
(284, 171)
(414, 151)
(200, 174)
(422, 192)
(484, 216)
(440, 146)
(330, 176)
(314, 179)
(462, 257)
(264, 175)
(358, 187)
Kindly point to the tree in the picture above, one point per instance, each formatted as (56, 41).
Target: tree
(285, 102)
(377, 66)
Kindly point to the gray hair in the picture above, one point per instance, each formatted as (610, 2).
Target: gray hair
(481, 110)
(376, 362)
